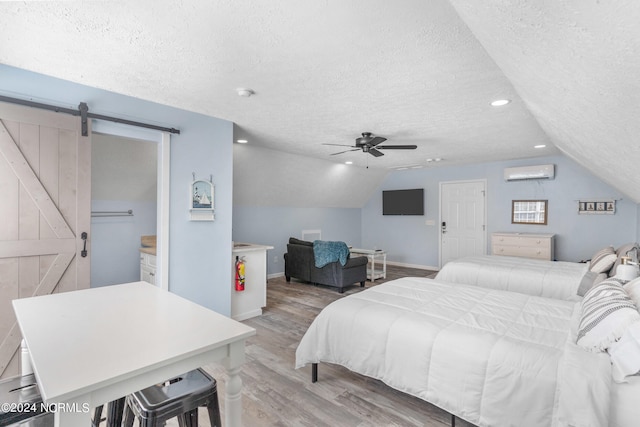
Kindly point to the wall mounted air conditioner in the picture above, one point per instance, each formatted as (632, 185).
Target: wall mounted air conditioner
(529, 172)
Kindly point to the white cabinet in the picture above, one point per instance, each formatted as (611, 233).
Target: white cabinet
(148, 267)
(527, 245)
(249, 303)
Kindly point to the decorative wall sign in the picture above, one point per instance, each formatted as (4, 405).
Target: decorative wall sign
(597, 207)
(201, 200)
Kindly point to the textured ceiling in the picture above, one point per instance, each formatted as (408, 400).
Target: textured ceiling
(414, 71)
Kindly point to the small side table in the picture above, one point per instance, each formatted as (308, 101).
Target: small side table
(373, 255)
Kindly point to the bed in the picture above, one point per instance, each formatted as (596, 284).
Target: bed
(491, 357)
(550, 279)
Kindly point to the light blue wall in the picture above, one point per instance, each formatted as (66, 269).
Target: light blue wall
(274, 225)
(200, 252)
(409, 240)
(115, 240)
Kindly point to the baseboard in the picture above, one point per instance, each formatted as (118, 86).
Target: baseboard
(397, 264)
(274, 275)
(421, 267)
(248, 315)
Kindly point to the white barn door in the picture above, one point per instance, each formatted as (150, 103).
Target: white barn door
(462, 219)
(45, 206)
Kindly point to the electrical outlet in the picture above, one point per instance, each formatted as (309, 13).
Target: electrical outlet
(275, 259)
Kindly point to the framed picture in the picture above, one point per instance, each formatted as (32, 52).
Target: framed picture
(597, 207)
(201, 200)
(529, 212)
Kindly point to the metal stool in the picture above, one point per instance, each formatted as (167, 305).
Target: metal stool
(179, 397)
(42, 420)
(115, 413)
(20, 392)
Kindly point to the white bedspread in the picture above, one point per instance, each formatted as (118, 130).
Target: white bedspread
(493, 358)
(550, 279)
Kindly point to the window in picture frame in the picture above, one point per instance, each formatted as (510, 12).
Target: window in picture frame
(529, 212)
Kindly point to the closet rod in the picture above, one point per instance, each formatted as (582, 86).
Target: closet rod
(112, 213)
(83, 112)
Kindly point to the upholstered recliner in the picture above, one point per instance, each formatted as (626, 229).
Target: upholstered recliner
(299, 262)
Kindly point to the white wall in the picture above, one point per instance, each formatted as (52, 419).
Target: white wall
(200, 252)
(409, 240)
(264, 177)
(277, 195)
(268, 225)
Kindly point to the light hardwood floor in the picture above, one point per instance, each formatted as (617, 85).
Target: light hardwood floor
(275, 394)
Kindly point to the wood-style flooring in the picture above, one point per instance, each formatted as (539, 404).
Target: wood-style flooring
(276, 394)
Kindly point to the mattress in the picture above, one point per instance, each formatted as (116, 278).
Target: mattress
(490, 357)
(550, 279)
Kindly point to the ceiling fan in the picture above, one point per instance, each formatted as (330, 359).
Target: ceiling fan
(370, 144)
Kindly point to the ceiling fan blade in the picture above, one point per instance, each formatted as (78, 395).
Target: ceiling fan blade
(346, 151)
(375, 152)
(398, 147)
(338, 145)
(377, 140)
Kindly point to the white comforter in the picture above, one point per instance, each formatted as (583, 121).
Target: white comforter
(493, 358)
(550, 279)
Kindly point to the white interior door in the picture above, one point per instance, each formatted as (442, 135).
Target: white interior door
(45, 207)
(462, 219)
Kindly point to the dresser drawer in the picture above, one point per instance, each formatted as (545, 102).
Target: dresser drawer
(523, 251)
(539, 246)
(517, 240)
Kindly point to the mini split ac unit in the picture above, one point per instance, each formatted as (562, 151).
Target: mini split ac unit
(529, 172)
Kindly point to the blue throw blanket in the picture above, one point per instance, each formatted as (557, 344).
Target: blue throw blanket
(326, 252)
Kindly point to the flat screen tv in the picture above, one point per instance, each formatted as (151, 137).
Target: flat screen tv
(403, 202)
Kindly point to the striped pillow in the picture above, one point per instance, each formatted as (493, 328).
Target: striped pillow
(607, 311)
(603, 260)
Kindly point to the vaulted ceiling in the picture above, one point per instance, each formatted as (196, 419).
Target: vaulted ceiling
(414, 71)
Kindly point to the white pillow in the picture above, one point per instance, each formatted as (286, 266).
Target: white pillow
(607, 311)
(633, 290)
(625, 354)
(603, 260)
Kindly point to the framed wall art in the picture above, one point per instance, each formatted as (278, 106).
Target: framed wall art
(529, 212)
(597, 207)
(201, 200)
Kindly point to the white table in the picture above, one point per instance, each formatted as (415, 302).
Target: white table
(93, 346)
(372, 254)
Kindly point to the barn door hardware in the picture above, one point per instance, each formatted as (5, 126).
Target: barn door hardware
(84, 236)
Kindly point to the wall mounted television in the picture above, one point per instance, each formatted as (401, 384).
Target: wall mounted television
(403, 202)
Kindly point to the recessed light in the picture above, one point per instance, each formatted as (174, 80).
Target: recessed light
(500, 102)
(437, 159)
(244, 92)
(539, 146)
(241, 141)
(417, 167)
(348, 162)
(402, 168)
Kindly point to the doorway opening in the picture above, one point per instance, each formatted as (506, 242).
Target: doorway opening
(129, 203)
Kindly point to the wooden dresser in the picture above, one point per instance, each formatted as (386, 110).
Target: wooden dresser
(527, 245)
